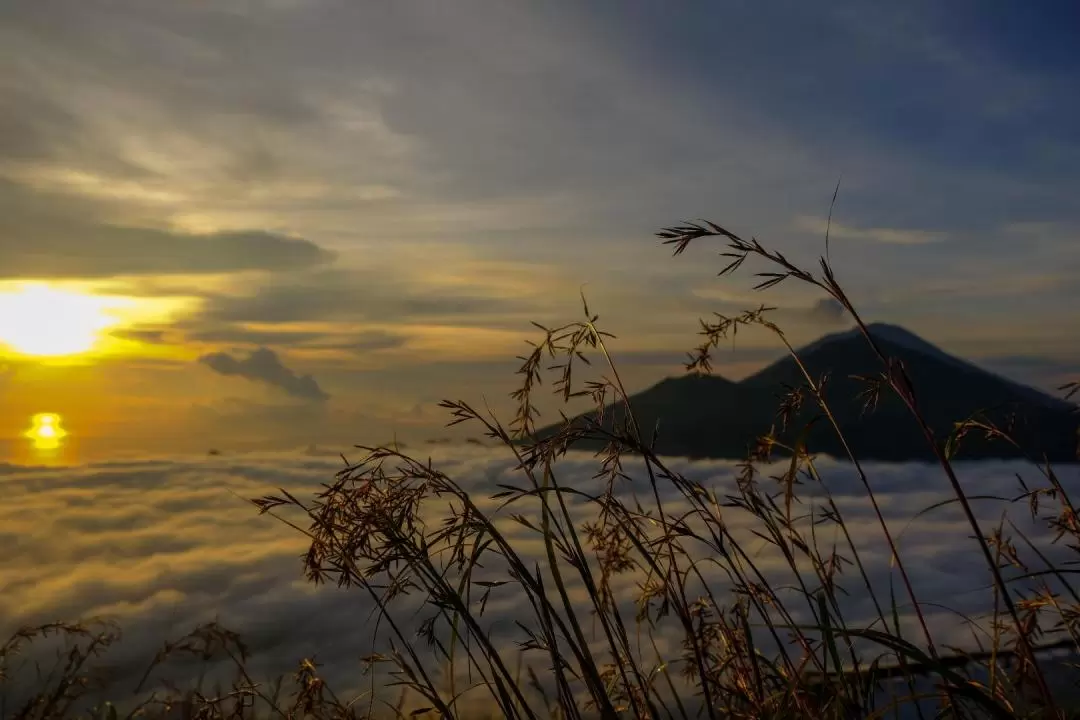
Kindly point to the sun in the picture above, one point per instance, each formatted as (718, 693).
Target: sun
(45, 321)
(45, 431)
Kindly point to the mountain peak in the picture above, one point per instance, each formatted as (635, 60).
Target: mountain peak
(885, 331)
(710, 416)
(904, 338)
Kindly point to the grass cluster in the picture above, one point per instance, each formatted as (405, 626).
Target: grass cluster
(624, 616)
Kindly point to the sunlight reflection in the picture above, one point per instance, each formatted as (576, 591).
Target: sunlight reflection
(45, 432)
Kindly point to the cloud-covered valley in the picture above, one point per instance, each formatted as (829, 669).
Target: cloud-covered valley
(161, 545)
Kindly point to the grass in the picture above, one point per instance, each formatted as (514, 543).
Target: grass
(624, 616)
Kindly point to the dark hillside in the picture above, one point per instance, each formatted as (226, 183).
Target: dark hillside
(709, 416)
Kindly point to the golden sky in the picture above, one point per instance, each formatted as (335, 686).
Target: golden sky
(279, 223)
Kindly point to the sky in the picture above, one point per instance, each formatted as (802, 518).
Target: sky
(272, 223)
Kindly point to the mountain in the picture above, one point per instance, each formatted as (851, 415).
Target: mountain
(703, 416)
(897, 335)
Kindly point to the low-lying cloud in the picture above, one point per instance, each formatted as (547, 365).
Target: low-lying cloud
(264, 366)
(163, 545)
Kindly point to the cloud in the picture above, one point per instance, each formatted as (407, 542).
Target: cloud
(103, 251)
(237, 334)
(446, 290)
(1046, 373)
(29, 123)
(343, 338)
(144, 335)
(263, 365)
(373, 341)
(162, 544)
(883, 235)
(826, 311)
(336, 295)
(42, 235)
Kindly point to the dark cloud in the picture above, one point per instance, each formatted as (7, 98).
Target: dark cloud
(237, 334)
(53, 235)
(233, 334)
(263, 365)
(372, 341)
(324, 296)
(331, 294)
(79, 250)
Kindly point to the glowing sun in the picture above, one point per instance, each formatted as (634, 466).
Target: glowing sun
(47, 321)
(45, 431)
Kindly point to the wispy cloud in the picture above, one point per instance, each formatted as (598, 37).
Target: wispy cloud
(883, 235)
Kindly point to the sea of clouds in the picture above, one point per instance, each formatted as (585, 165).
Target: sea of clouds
(162, 545)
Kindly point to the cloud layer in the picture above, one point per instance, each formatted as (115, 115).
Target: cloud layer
(163, 544)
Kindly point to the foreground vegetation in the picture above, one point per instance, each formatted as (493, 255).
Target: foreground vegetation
(626, 616)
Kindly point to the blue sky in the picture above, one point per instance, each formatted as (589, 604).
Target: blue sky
(383, 195)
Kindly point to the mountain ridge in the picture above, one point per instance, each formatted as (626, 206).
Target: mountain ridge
(709, 416)
(902, 336)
